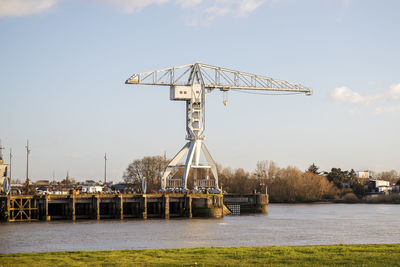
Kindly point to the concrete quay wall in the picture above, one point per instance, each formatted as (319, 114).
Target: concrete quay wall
(124, 206)
(247, 203)
(109, 206)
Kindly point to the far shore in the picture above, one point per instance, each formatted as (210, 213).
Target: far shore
(376, 199)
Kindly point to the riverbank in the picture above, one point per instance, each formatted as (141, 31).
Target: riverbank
(352, 199)
(333, 255)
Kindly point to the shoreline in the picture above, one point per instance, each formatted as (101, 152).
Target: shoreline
(380, 199)
(330, 255)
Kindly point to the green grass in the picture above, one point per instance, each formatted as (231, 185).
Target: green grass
(335, 255)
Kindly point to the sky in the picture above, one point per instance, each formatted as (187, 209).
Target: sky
(63, 64)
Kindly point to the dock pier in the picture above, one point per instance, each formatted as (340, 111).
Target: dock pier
(22, 208)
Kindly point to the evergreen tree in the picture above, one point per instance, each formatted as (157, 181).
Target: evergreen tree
(313, 169)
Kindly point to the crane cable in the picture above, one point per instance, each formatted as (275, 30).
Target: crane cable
(225, 97)
(257, 93)
(225, 94)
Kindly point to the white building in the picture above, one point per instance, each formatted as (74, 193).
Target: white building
(381, 183)
(363, 174)
(380, 186)
(92, 189)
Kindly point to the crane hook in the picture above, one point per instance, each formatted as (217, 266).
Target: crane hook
(225, 97)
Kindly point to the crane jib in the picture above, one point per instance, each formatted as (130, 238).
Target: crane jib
(214, 78)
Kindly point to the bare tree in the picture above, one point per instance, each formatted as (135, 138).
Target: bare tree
(261, 169)
(273, 170)
(260, 175)
(391, 176)
(149, 168)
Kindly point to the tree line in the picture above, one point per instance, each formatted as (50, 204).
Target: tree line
(288, 184)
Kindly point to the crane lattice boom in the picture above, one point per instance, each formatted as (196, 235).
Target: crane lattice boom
(214, 78)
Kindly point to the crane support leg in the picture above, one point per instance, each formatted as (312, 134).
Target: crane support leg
(211, 162)
(188, 163)
(196, 159)
(193, 150)
(173, 164)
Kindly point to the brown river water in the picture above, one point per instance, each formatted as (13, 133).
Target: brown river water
(285, 225)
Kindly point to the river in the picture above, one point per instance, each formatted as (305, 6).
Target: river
(286, 224)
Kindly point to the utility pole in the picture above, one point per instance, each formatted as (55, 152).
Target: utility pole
(1, 151)
(11, 155)
(27, 160)
(105, 167)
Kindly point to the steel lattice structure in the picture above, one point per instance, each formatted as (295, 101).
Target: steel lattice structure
(212, 77)
(191, 83)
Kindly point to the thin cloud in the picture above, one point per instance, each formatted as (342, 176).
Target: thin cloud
(208, 10)
(383, 101)
(248, 6)
(216, 11)
(188, 3)
(354, 111)
(383, 110)
(16, 8)
(129, 6)
(203, 10)
(394, 92)
(345, 94)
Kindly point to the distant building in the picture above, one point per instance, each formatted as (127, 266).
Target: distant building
(124, 188)
(42, 186)
(363, 175)
(380, 183)
(91, 189)
(380, 186)
(43, 183)
(90, 182)
(396, 188)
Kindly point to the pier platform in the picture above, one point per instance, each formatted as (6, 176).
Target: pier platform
(21, 208)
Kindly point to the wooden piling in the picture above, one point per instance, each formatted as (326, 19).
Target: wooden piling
(190, 215)
(97, 207)
(46, 204)
(144, 213)
(73, 201)
(166, 207)
(121, 207)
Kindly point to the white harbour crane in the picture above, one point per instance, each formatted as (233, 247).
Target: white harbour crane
(191, 83)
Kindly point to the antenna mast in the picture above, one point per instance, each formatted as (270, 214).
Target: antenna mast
(1, 151)
(28, 151)
(105, 167)
(11, 156)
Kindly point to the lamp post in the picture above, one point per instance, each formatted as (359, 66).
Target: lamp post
(28, 151)
(105, 167)
(11, 155)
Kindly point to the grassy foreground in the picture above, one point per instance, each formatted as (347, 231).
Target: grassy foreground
(335, 255)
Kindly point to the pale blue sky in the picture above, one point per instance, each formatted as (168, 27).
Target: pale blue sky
(63, 64)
